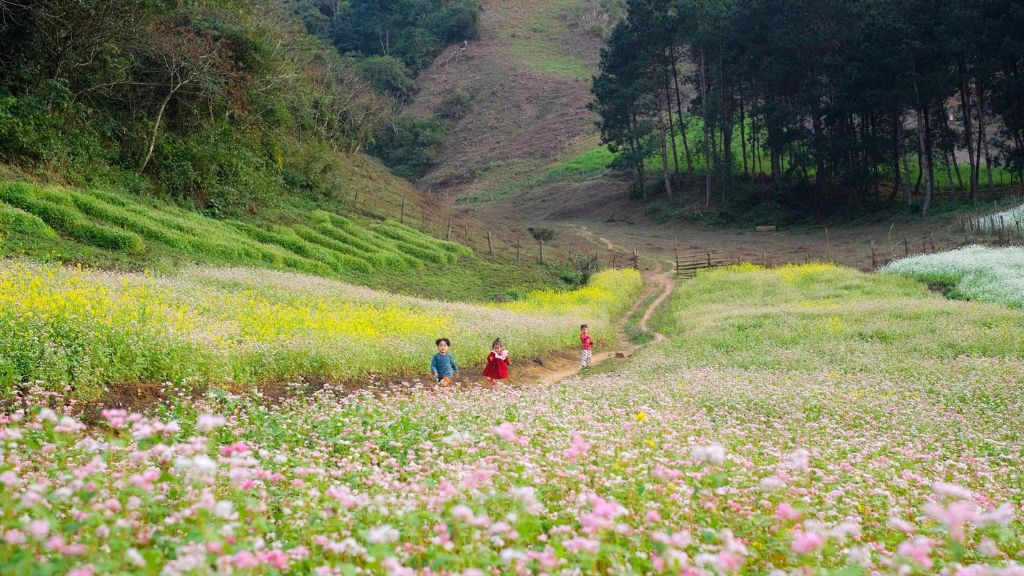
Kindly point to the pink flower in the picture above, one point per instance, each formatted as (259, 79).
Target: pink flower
(918, 550)
(114, 417)
(86, 570)
(785, 511)
(947, 490)
(901, 525)
(666, 474)
(954, 516)
(245, 559)
(239, 447)
(14, 537)
(576, 447)
(9, 479)
(275, 558)
(507, 432)
(38, 528)
(206, 423)
(653, 516)
(1001, 516)
(728, 562)
(582, 545)
(806, 542)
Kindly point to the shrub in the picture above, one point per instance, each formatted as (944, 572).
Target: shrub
(14, 219)
(105, 236)
(389, 75)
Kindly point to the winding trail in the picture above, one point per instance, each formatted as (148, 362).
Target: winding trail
(660, 282)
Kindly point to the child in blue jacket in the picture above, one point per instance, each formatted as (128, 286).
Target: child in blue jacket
(443, 365)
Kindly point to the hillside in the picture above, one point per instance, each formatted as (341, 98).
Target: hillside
(527, 80)
(359, 234)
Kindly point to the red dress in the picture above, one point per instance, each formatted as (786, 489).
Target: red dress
(497, 365)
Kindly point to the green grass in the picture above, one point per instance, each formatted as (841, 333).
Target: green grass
(819, 318)
(112, 230)
(549, 58)
(586, 164)
(634, 332)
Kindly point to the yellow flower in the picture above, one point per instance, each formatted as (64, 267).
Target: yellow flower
(641, 416)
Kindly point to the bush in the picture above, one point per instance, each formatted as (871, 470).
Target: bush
(105, 236)
(140, 224)
(454, 104)
(411, 149)
(67, 218)
(17, 220)
(25, 196)
(389, 75)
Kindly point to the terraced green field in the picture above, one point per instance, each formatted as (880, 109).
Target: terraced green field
(325, 244)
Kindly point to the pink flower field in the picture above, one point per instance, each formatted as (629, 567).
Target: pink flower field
(668, 466)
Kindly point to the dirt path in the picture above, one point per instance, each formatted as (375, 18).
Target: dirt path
(659, 281)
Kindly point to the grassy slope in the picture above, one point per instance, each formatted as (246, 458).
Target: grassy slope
(821, 318)
(528, 77)
(292, 234)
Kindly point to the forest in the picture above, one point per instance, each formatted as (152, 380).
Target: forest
(817, 102)
(223, 104)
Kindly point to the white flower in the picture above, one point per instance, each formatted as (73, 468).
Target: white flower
(206, 423)
(382, 534)
(135, 558)
(799, 460)
(712, 453)
(772, 483)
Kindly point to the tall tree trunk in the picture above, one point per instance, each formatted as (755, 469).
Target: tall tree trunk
(671, 125)
(949, 172)
(743, 133)
(664, 156)
(965, 109)
(952, 153)
(983, 138)
(156, 130)
(926, 155)
(895, 158)
(641, 173)
(707, 130)
(679, 115)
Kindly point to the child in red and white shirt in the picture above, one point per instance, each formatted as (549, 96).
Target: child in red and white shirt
(586, 347)
(498, 362)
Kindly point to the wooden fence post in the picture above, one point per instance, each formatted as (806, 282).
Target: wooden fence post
(709, 259)
(541, 242)
(635, 260)
(448, 235)
(490, 247)
(402, 217)
(906, 247)
(874, 261)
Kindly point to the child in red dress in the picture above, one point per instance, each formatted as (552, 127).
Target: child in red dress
(497, 363)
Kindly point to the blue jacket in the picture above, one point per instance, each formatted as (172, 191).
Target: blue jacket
(443, 365)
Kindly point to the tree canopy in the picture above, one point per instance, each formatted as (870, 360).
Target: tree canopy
(833, 98)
